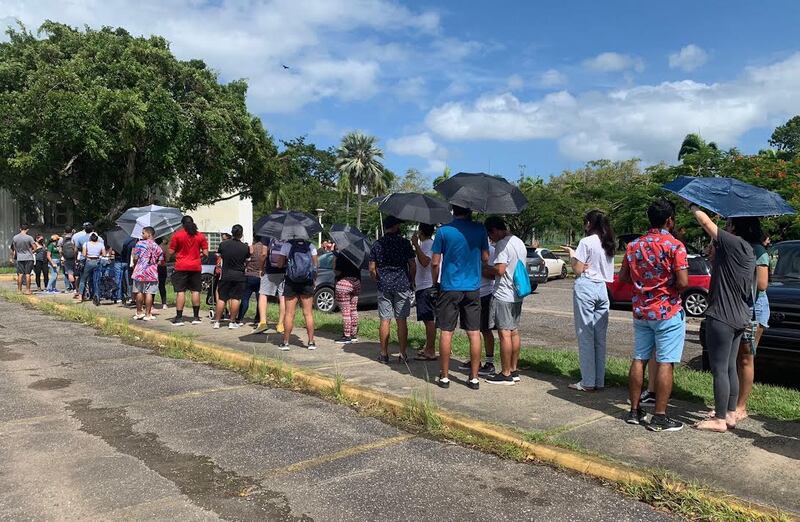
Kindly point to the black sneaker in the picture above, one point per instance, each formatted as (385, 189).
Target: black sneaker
(664, 423)
(515, 375)
(177, 321)
(353, 340)
(499, 378)
(343, 340)
(383, 359)
(312, 345)
(474, 384)
(465, 366)
(636, 417)
(486, 369)
(647, 397)
(443, 382)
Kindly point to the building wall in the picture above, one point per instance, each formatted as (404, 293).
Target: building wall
(213, 219)
(9, 224)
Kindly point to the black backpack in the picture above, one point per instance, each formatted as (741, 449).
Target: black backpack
(68, 249)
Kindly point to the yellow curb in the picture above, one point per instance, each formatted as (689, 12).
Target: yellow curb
(567, 459)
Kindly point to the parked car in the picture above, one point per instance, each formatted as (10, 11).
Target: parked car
(324, 295)
(555, 267)
(536, 268)
(207, 270)
(780, 344)
(695, 298)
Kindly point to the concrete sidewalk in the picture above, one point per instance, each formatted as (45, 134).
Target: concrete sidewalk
(759, 461)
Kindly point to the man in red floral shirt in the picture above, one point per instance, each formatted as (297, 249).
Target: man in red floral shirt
(657, 267)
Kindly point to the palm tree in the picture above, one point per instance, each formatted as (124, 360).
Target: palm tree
(693, 143)
(357, 158)
(444, 176)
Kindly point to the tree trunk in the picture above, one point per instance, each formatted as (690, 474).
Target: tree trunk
(347, 207)
(358, 217)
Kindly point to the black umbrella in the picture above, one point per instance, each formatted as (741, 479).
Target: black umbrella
(116, 238)
(482, 192)
(352, 244)
(412, 206)
(288, 224)
(729, 197)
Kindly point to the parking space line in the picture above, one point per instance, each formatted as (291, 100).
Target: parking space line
(341, 454)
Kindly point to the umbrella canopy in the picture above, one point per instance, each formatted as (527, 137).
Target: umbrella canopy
(412, 206)
(352, 244)
(482, 192)
(116, 238)
(729, 197)
(164, 220)
(288, 224)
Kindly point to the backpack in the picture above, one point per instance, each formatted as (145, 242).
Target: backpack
(68, 249)
(522, 281)
(272, 258)
(300, 268)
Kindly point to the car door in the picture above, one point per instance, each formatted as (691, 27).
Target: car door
(551, 262)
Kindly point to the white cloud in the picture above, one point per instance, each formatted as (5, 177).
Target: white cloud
(614, 62)
(688, 58)
(421, 145)
(552, 78)
(411, 89)
(647, 121)
(515, 82)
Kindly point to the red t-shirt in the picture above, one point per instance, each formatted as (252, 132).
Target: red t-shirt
(653, 259)
(187, 250)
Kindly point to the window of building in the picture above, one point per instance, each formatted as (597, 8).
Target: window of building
(214, 239)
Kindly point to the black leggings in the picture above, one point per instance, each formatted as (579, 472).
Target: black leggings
(162, 283)
(722, 342)
(41, 271)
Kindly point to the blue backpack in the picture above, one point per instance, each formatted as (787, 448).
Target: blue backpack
(299, 265)
(522, 281)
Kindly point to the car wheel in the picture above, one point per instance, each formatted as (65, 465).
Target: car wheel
(547, 274)
(695, 302)
(324, 300)
(564, 271)
(534, 286)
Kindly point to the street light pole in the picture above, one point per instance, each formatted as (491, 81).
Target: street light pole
(320, 211)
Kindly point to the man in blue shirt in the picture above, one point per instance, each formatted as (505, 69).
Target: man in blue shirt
(460, 249)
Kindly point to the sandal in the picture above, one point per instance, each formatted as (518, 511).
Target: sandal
(422, 356)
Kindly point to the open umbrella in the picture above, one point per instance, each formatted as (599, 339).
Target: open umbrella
(288, 224)
(412, 206)
(164, 220)
(729, 197)
(116, 238)
(352, 244)
(482, 192)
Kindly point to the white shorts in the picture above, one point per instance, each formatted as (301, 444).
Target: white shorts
(272, 284)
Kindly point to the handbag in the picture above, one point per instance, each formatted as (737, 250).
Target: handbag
(750, 334)
(522, 281)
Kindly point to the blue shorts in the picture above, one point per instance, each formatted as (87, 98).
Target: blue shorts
(666, 336)
(762, 310)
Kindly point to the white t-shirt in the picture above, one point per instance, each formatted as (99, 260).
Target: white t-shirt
(487, 283)
(424, 277)
(508, 251)
(287, 247)
(601, 266)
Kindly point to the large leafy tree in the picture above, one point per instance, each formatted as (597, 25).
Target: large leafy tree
(786, 138)
(358, 160)
(101, 120)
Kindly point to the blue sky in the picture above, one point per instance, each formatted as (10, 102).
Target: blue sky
(485, 86)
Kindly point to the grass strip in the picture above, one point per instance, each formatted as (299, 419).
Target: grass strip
(420, 414)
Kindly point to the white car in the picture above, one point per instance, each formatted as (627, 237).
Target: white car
(555, 267)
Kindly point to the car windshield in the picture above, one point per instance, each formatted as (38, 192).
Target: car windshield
(326, 260)
(786, 259)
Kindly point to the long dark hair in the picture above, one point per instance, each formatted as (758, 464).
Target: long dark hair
(600, 225)
(189, 225)
(748, 228)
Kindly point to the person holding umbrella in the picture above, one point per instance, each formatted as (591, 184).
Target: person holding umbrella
(188, 244)
(351, 253)
(422, 241)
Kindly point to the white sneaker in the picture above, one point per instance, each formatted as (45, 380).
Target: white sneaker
(234, 326)
(149, 318)
(284, 347)
(215, 325)
(138, 317)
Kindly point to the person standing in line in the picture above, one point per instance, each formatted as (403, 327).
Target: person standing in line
(299, 258)
(189, 245)
(23, 248)
(232, 281)
(506, 304)
(162, 274)
(92, 251)
(392, 266)
(53, 262)
(347, 289)
(746, 358)
(273, 277)
(69, 254)
(733, 279)
(40, 266)
(147, 257)
(422, 241)
(593, 266)
(122, 271)
(80, 238)
(252, 274)
(656, 265)
(487, 331)
(460, 250)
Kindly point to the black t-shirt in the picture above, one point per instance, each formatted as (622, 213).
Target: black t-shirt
(732, 280)
(345, 268)
(234, 256)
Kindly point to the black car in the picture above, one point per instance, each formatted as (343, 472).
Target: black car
(780, 344)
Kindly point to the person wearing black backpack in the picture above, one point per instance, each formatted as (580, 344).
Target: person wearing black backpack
(299, 257)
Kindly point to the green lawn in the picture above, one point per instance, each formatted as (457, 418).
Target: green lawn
(770, 401)
(8, 270)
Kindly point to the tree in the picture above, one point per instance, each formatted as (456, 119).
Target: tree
(786, 138)
(413, 181)
(101, 120)
(357, 158)
(444, 176)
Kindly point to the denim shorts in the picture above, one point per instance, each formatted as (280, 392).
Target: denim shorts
(762, 310)
(666, 336)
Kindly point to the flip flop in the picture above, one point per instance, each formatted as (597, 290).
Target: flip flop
(425, 357)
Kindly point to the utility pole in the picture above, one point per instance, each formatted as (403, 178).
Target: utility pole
(522, 168)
